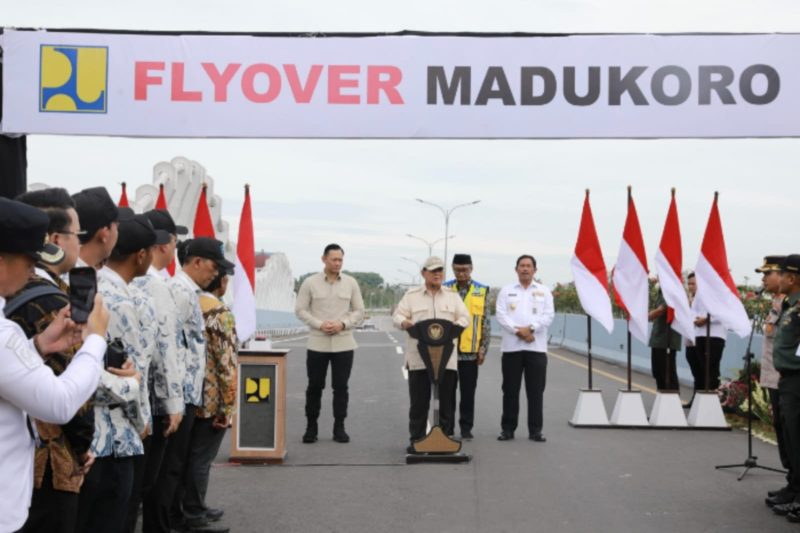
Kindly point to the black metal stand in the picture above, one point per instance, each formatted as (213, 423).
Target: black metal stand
(751, 461)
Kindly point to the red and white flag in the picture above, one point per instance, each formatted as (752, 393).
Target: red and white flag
(589, 271)
(669, 261)
(629, 277)
(123, 198)
(716, 291)
(203, 227)
(161, 204)
(244, 277)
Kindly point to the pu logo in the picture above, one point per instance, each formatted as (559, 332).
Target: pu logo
(257, 391)
(73, 79)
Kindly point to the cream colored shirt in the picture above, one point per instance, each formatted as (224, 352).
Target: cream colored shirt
(420, 304)
(319, 300)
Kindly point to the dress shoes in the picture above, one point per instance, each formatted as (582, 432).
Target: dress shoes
(214, 515)
(410, 449)
(793, 517)
(505, 435)
(538, 437)
(780, 498)
(467, 435)
(782, 509)
(781, 490)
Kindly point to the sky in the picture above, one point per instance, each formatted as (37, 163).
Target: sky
(361, 193)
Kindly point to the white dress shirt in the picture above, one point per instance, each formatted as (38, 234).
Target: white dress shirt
(717, 329)
(519, 307)
(27, 385)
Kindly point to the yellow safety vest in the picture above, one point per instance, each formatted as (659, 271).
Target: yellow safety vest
(475, 301)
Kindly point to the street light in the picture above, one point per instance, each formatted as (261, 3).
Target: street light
(430, 244)
(419, 265)
(410, 275)
(446, 213)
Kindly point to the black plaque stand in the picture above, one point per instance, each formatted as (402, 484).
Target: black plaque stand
(435, 343)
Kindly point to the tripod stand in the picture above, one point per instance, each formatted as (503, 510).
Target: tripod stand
(751, 461)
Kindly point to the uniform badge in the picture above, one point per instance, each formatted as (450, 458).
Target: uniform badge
(512, 306)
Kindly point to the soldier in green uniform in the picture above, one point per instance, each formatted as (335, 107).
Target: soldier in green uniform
(664, 345)
(787, 363)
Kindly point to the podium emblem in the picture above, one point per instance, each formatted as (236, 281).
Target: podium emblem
(435, 331)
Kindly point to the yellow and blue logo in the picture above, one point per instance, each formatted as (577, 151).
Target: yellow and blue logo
(73, 79)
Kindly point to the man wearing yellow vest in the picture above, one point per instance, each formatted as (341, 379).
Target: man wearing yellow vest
(474, 341)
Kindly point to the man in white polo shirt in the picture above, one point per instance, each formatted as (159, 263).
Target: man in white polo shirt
(524, 311)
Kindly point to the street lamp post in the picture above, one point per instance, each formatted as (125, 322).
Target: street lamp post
(446, 213)
(429, 244)
(410, 275)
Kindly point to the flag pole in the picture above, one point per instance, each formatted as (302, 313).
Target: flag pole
(589, 345)
(628, 322)
(708, 353)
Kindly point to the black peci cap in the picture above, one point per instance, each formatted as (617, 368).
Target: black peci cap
(791, 263)
(95, 210)
(135, 233)
(208, 248)
(772, 263)
(462, 259)
(162, 220)
(23, 230)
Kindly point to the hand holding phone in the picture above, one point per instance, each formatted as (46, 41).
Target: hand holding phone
(82, 289)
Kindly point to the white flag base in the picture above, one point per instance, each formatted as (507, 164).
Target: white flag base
(629, 409)
(706, 411)
(667, 410)
(589, 411)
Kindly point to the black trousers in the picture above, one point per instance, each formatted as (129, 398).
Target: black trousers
(203, 448)
(52, 511)
(789, 397)
(533, 365)
(468, 382)
(694, 366)
(317, 369)
(717, 346)
(105, 494)
(419, 392)
(145, 473)
(664, 369)
(777, 423)
(159, 500)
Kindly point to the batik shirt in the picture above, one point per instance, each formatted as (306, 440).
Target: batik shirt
(122, 409)
(166, 367)
(219, 388)
(191, 336)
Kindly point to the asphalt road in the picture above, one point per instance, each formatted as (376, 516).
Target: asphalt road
(580, 480)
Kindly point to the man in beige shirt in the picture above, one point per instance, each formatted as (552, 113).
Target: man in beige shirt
(330, 304)
(422, 303)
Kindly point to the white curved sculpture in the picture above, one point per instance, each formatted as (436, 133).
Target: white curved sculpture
(275, 284)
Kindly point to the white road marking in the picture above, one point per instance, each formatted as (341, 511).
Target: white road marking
(399, 350)
(405, 372)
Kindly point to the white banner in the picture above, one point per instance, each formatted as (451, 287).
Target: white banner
(578, 86)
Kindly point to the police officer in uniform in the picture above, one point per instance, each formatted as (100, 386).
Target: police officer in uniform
(771, 271)
(785, 347)
(474, 341)
(27, 386)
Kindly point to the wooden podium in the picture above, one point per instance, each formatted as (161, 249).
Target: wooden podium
(259, 427)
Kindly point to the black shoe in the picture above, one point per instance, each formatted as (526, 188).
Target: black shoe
(467, 435)
(208, 529)
(780, 499)
(214, 514)
(339, 434)
(781, 490)
(782, 509)
(191, 524)
(411, 450)
(793, 517)
(538, 437)
(505, 435)
(311, 433)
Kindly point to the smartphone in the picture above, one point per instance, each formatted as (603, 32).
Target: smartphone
(115, 354)
(82, 289)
